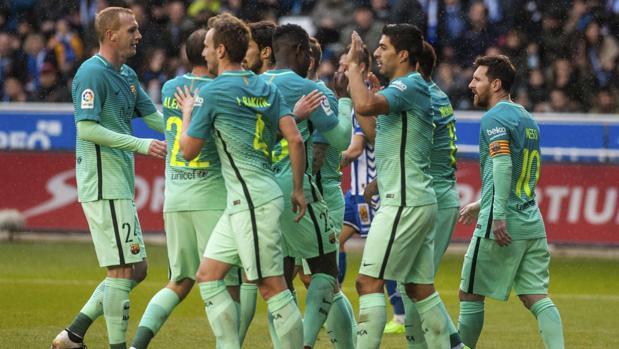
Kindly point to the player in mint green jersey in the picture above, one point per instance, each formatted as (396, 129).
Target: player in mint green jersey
(106, 97)
(195, 198)
(244, 115)
(340, 323)
(399, 245)
(443, 171)
(509, 248)
(313, 238)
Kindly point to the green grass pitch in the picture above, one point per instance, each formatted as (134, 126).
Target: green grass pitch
(43, 285)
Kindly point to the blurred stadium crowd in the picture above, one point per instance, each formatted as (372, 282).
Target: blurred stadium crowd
(566, 52)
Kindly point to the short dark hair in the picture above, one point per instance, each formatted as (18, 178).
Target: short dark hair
(316, 52)
(194, 47)
(262, 34)
(427, 59)
(290, 35)
(231, 32)
(407, 37)
(366, 58)
(499, 67)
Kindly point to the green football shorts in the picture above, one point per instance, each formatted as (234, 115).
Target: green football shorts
(313, 236)
(251, 238)
(115, 231)
(399, 245)
(187, 233)
(443, 230)
(492, 271)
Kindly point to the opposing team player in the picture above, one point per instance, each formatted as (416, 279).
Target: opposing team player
(244, 115)
(313, 238)
(106, 97)
(509, 248)
(399, 245)
(195, 198)
(443, 171)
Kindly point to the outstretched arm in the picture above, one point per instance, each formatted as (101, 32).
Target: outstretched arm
(94, 132)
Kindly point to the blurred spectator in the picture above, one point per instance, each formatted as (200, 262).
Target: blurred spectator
(329, 16)
(37, 55)
(606, 102)
(560, 103)
(179, 26)
(12, 60)
(553, 41)
(452, 22)
(601, 52)
(382, 9)
(536, 89)
(67, 46)
(155, 76)
(50, 89)
(409, 11)
(478, 35)
(366, 25)
(13, 90)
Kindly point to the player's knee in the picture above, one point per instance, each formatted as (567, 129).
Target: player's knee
(418, 292)
(140, 271)
(470, 297)
(529, 299)
(181, 288)
(367, 284)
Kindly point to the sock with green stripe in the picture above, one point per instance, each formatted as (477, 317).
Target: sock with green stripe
(116, 307)
(156, 313)
(221, 312)
(287, 321)
(433, 321)
(317, 305)
(549, 323)
(89, 313)
(340, 323)
(470, 322)
(248, 296)
(372, 320)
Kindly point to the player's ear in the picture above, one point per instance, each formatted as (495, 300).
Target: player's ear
(403, 56)
(221, 51)
(496, 85)
(265, 53)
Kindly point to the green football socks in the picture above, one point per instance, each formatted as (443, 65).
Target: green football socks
(286, 320)
(549, 323)
(317, 305)
(412, 324)
(222, 313)
(372, 320)
(116, 309)
(340, 323)
(89, 313)
(156, 313)
(248, 296)
(470, 322)
(433, 321)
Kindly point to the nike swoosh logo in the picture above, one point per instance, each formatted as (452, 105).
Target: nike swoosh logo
(368, 264)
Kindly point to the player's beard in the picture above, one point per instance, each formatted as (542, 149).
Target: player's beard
(256, 67)
(480, 101)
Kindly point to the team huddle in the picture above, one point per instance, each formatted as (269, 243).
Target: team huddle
(253, 148)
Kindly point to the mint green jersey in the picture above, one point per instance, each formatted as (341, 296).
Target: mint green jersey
(443, 156)
(242, 113)
(329, 177)
(194, 185)
(403, 144)
(509, 130)
(111, 98)
(324, 118)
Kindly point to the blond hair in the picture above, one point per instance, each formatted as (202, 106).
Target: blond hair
(109, 19)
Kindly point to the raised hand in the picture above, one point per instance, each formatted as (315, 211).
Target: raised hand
(340, 85)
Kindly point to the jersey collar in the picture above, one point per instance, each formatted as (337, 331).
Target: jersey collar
(279, 71)
(237, 73)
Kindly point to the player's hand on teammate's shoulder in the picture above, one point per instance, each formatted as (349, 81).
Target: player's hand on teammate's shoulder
(297, 198)
(157, 149)
(501, 236)
(468, 214)
(307, 104)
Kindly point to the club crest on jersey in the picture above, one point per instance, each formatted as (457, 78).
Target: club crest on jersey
(88, 99)
(135, 248)
(324, 103)
(134, 90)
